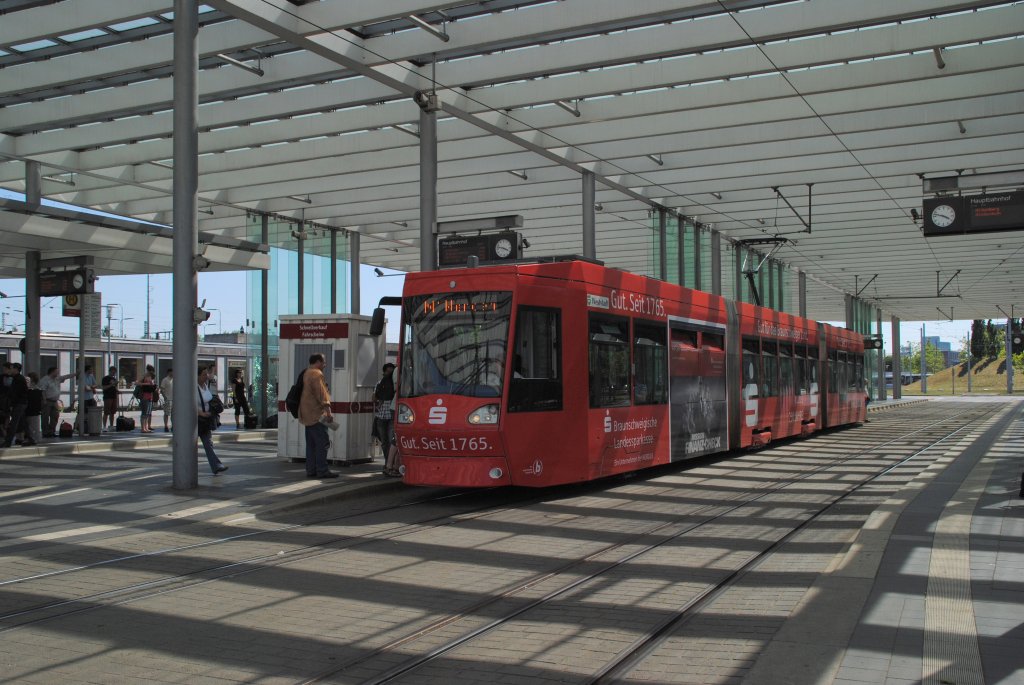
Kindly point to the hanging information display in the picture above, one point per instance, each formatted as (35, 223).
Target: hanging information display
(973, 214)
(488, 249)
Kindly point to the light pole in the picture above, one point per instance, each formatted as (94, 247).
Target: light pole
(123, 319)
(110, 356)
(220, 329)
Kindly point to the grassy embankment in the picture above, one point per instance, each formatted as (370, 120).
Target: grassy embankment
(988, 377)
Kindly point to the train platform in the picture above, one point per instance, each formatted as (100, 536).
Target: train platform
(910, 571)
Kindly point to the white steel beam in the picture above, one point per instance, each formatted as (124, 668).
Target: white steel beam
(73, 16)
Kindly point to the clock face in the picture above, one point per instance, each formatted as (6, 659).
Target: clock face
(503, 248)
(77, 281)
(943, 216)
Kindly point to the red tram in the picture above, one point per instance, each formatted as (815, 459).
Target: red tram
(566, 371)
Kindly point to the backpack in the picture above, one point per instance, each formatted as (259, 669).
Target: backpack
(291, 400)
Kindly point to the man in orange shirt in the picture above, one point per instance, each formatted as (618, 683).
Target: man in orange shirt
(314, 414)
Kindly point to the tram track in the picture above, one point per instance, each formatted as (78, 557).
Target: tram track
(254, 559)
(235, 568)
(665, 535)
(537, 583)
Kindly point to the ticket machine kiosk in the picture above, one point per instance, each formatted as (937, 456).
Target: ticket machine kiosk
(354, 360)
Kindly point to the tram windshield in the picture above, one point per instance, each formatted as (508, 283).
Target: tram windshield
(455, 344)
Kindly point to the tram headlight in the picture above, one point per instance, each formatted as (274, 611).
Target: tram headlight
(485, 415)
(405, 415)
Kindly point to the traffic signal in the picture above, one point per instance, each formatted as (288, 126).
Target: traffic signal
(1017, 341)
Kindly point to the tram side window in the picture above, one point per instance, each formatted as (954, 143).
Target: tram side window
(712, 340)
(650, 361)
(769, 366)
(536, 383)
(842, 373)
(857, 367)
(751, 363)
(609, 361)
(786, 370)
(800, 370)
(833, 371)
(812, 367)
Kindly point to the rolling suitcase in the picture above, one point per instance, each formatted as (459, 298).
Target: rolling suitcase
(124, 424)
(251, 421)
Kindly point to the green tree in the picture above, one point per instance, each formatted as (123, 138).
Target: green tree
(978, 339)
(991, 344)
(934, 359)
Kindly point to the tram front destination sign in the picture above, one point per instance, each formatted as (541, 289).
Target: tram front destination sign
(973, 214)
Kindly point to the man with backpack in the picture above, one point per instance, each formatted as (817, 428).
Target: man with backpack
(314, 412)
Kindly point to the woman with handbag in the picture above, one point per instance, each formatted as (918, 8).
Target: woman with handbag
(210, 408)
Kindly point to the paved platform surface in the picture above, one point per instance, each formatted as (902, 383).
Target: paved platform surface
(931, 589)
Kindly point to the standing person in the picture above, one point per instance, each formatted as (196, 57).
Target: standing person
(89, 386)
(109, 386)
(240, 398)
(19, 403)
(314, 414)
(33, 410)
(167, 392)
(50, 385)
(6, 381)
(147, 395)
(383, 414)
(208, 421)
(89, 392)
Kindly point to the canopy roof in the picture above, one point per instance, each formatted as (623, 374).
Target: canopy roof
(703, 107)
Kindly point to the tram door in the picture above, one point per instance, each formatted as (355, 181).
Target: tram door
(697, 390)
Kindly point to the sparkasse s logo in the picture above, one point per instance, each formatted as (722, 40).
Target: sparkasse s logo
(438, 414)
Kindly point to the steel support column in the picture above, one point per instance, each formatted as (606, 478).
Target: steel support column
(265, 383)
(681, 237)
(881, 360)
(848, 305)
(801, 289)
(334, 271)
(353, 262)
(780, 287)
(696, 258)
(924, 363)
(897, 362)
(716, 262)
(185, 243)
(589, 222)
(32, 324)
(1009, 353)
(738, 255)
(301, 268)
(771, 285)
(33, 184)
(428, 189)
(662, 246)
